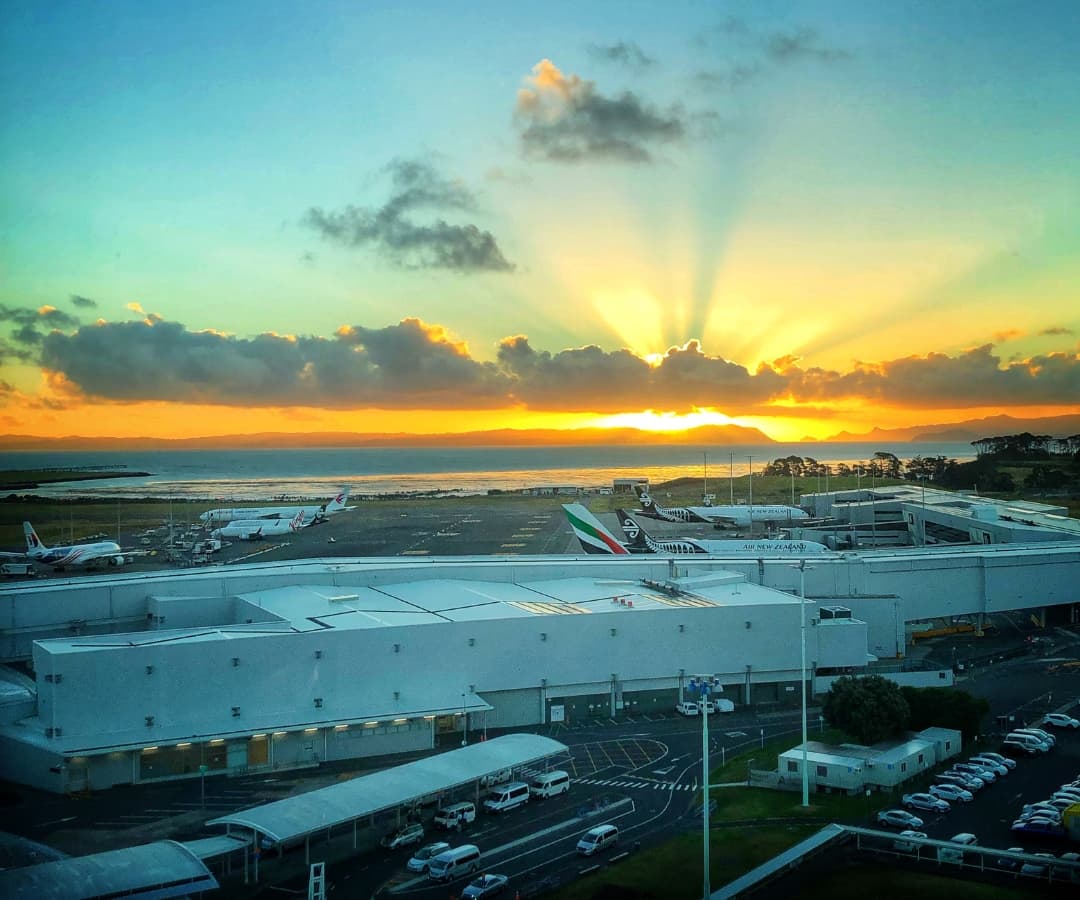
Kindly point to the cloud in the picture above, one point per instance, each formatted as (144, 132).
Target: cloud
(392, 231)
(408, 365)
(625, 53)
(419, 365)
(1007, 334)
(83, 302)
(799, 44)
(27, 329)
(136, 308)
(1055, 330)
(565, 119)
(732, 77)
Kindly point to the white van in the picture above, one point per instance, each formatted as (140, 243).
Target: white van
(598, 838)
(549, 784)
(507, 797)
(457, 815)
(455, 863)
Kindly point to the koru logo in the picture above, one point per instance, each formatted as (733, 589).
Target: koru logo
(631, 529)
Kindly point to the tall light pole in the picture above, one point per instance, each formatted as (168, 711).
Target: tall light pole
(802, 677)
(750, 480)
(464, 722)
(702, 686)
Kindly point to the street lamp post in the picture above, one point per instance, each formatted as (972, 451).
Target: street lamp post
(802, 678)
(702, 686)
(464, 722)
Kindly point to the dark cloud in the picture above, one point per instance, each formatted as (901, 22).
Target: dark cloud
(625, 53)
(414, 365)
(409, 365)
(1056, 330)
(799, 44)
(83, 302)
(731, 77)
(27, 330)
(392, 230)
(564, 119)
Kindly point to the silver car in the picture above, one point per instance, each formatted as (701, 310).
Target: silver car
(950, 792)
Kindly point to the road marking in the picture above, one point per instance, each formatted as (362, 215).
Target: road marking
(735, 733)
(58, 821)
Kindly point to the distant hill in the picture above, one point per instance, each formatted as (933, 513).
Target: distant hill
(507, 437)
(969, 430)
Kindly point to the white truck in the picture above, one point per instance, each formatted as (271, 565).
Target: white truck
(13, 569)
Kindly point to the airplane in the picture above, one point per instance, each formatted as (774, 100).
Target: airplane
(642, 542)
(594, 538)
(742, 516)
(108, 552)
(312, 513)
(257, 529)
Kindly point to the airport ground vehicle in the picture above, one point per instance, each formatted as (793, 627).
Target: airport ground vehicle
(507, 796)
(484, 886)
(404, 837)
(597, 838)
(422, 857)
(453, 863)
(457, 815)
(549, 784)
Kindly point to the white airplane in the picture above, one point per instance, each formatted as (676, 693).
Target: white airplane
(312, 513)
(72, 555)
(738, 516)
(595, 538)
(257, 529)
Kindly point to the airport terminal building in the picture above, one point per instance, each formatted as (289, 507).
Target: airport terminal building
(267, 666)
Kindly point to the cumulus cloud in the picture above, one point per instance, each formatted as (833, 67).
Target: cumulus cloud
(565, 119)
(27, 329)
(393, 231)
(625, 53)
(83, 302)
(408, 365)
(418, 365)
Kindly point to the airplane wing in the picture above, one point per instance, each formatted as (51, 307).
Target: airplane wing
(8, 555)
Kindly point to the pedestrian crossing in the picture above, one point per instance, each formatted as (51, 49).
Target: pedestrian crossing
(641, 785)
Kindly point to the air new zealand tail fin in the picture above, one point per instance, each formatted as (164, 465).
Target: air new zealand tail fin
(637, 540)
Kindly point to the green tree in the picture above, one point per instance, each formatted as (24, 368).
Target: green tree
(945, 707)
(870, 708)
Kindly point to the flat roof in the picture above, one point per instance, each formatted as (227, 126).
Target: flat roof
(296, 817)
(161, 869)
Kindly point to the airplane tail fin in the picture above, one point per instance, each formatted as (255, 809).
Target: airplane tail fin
(33, 542)
(635, 534)
(594, 537)
(297, 522)
(648, 505)
(338, 503)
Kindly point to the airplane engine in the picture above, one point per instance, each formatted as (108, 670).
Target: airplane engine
(116, 561)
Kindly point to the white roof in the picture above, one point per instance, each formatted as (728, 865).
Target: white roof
(161, 869)
(296, 817)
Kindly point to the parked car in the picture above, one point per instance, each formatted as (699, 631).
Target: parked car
(924, 801)
(1016, 749)
(485, 886)
(1042, 808)
(404, 837)
(1038, 826)
(998, 758)
(997, 768)
(1060, 720)
(967, 782)
(1031, 868)
(686, 708)
(493, 778)
(977, 771)
(905, 842)
(423, 856)
(899, 818)
(1006, 862)
(950, 793)
(1045, 736)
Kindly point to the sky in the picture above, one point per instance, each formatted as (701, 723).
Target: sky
(804, 217)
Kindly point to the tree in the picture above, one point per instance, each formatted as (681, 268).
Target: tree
(943, 707)
(870, 708)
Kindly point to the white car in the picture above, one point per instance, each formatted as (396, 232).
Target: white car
(687, 708)
(998, 758)
(1060, 720)
(422, 857)
(924, 801)
(997, 768)
(904, 841)
(950, 792)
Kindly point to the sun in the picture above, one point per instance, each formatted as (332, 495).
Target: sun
(651, 420)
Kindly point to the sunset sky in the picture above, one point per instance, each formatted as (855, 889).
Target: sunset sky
(805, 217)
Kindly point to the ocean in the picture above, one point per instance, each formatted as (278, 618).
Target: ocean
(242, 475)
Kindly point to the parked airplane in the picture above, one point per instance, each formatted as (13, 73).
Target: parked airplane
(595, 538)
(738, 516)
(312, 513)
(257, 529)
(641, 542)
(72, 555)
